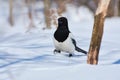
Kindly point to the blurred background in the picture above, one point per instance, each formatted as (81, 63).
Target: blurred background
(30, 13)
(27, 27)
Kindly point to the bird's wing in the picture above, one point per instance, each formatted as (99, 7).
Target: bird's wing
(73, 40)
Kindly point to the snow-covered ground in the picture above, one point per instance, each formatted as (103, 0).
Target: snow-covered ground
(29, 56)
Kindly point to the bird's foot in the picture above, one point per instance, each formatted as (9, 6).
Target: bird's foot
(70, 55)
(57, 51)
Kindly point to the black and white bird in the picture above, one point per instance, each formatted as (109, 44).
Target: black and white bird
(63, 39)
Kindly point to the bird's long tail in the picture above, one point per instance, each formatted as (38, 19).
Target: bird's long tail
(80, 50)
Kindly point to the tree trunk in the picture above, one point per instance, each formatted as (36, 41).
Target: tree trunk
(47, 13)
(61, 6)
(119, 8)
(110, 11)
(11, 12)
(116, 3)
(97, 32)
(30, 15)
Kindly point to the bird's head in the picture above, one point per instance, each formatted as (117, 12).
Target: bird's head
(62, 22)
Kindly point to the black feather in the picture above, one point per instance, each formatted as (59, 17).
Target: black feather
(62, 31)
(77, 48)
(80, 50)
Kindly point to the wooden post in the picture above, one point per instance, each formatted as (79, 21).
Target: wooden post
(97, 32)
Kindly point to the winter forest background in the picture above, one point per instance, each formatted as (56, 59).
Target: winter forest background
(26, 40)
(47, 10)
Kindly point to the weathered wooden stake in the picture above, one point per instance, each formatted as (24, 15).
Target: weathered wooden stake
(97, 32)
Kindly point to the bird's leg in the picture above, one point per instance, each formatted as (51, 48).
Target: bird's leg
(70, 55)
(57, 51)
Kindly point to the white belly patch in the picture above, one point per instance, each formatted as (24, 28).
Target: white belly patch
(66, 46)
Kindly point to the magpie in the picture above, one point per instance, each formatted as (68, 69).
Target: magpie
(63, 39)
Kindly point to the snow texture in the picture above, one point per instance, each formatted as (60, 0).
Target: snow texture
(29, 56)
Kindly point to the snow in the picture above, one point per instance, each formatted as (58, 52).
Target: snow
(78, 72)
(29, 55)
